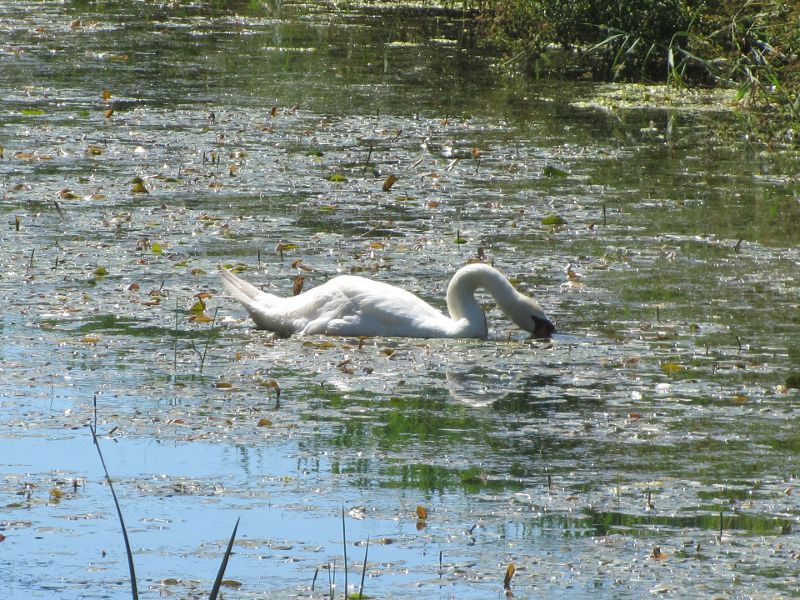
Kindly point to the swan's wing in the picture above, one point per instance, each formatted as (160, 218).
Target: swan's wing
(358, 306)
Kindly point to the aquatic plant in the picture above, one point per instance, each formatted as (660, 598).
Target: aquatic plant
(751, 46)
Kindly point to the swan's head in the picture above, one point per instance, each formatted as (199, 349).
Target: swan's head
(530, 316)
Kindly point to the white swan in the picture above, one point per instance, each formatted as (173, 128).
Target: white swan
(355, 306)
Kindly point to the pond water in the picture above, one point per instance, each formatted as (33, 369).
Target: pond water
(650, 447)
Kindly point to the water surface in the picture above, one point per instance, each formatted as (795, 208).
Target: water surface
(649, 447)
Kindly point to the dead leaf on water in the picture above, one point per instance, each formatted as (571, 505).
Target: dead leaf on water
(297, 286)
(202, 318)
(106, 94)
(389, 182)
(657, 554)
(320, 345)
(264, 422)
(510, 570)
(422, 512)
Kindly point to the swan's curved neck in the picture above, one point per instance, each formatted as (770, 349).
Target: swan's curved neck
(461, 302)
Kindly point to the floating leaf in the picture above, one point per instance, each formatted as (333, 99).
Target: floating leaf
(90, 339)
(231, 583)
(321, 345)
(139, 188)
(422, 512)
(198, 307)
(201, 318)
(224, 385)
(32, 111)
(553, 219)
(337, 178)
(67, 194)
(510, 570)
(108, 113)
(670, 368)
(272, 384)
(106, 95)
(156, 248)
(550, 171)
(133, 287)
(285, 246)
(658, 554)
(264, 422)
(101, 271)
(56, 495)
(94, 150)
(389, 182)
(297, 286)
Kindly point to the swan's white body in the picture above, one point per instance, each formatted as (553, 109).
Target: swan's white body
(355, 306)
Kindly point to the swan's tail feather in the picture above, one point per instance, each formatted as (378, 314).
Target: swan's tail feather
(241, 290)
(258, 304)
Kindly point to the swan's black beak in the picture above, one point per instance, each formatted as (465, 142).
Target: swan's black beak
(542, 328)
